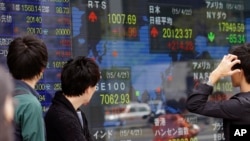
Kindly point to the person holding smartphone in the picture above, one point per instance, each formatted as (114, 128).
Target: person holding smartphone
(235, 111)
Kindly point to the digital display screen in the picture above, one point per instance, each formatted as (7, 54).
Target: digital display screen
(151, 54)
(51, 21)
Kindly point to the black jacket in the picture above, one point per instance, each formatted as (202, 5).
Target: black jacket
(62, 122)
(235, 111)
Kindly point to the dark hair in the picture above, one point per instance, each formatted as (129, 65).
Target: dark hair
(26, 57)
(243, 54)
(78, 74)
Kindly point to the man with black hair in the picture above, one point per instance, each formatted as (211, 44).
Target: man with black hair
(27, 59)
(235, 111)
(64, 119)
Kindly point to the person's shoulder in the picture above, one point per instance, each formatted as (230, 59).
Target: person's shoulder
(26, 97)
(27, 101)
(58, 110)
(242, 97)
(59, 115)
(241, 94)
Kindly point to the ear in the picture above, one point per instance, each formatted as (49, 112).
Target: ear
(41, 73)
(43, 69)
(88, 90)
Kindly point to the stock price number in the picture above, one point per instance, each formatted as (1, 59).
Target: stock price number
(34, 30)
(128, 32)
(185, 139)
(123, 98)
(41, 98)
(62, 31)
(62, 10)
(57, 86)
(116, 18)
(236, 38)
(58, 64)
(65, 42)
(231, 27)
(42, 87)
(224, 86)
(34, 8)
(176, 45)
(177, 33)
(33, 19)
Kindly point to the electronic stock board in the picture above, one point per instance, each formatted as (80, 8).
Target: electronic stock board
(149, 51)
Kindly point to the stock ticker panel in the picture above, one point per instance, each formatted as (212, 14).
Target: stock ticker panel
(148, 51)
(48, 19)
(135, 35)
(151, 51)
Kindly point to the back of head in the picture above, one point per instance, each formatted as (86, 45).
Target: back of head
(78, 74)
(243, 54)
(27, 57)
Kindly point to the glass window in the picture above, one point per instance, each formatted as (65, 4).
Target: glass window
(131, 110)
